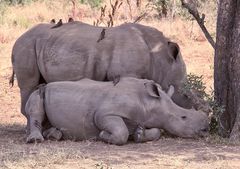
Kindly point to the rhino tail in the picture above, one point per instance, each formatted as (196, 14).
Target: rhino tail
(11, 80)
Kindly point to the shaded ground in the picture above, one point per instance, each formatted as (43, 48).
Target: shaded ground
(165, 153)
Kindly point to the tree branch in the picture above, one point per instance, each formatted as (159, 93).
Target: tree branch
(192, 9)
(139, 18)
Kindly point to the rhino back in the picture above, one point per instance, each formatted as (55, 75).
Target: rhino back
(131, 56)
(73, 52)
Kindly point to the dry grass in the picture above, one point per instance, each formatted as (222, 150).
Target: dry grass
(165, 153)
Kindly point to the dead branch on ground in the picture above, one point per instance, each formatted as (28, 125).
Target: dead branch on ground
(192, 9)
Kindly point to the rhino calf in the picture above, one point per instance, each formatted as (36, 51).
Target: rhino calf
(88, 109)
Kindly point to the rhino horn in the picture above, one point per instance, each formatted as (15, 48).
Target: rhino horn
(171, 90)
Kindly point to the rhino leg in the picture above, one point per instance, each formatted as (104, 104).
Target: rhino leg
(35, 113)
(25, 93)
(27, 82)
(114, 130)
(116, 80)
(52, 134)
(143, 135)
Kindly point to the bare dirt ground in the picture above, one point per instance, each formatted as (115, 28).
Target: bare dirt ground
(165, 153)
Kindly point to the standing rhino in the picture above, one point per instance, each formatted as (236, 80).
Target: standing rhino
(76, 50)
(88, 109)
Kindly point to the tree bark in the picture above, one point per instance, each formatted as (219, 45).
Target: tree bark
(227, 65)
(235, 134)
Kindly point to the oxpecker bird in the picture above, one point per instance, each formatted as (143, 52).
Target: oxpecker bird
(102, 35)
(58, 24)
(70, 20)
(53, 21)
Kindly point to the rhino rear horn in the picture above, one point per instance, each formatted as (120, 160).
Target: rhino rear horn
(171, 90)
(173, 50)
(152, 89)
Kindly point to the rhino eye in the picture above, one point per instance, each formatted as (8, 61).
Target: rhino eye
(184, 117)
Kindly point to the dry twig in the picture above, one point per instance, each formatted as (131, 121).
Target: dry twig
(74, 9)
(130, 8)
(139, 18)
(108, 20)
(192, 9)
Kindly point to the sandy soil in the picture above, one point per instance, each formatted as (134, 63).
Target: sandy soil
(165, 153)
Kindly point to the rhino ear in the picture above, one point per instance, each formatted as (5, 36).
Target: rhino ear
(173, 50)
(170, 90)
(152, 89)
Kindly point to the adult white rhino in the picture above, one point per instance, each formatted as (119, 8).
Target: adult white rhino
(76, 50)
(89, 109)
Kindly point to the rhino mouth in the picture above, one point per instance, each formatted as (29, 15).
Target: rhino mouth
(203, 132)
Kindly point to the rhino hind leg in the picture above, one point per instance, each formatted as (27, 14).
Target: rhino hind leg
(52, 134)
(27, 85)
(36, 115)
(143, 135)
(114, 130)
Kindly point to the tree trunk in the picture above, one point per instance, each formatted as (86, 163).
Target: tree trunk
(227, 66)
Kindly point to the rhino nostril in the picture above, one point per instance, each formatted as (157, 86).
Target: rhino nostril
(184, 117)
(204, 130)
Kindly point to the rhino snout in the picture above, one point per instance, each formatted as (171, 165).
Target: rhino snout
(204, 131)
(203, 124)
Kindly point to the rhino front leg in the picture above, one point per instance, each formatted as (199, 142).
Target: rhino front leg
(114, 130)
(143, 135)
(25, 93)
(35, 113)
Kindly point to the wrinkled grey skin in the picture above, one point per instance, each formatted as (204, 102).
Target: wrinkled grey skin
(89, 109)
(71, 52)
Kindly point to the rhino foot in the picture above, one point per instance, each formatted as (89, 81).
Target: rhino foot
(35, 137)
(139, 134)
(52, 134)
(116, 80)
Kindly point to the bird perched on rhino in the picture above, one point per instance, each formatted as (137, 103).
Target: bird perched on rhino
(58, 24)
(53, 21)
(70, 20)
(102, 35)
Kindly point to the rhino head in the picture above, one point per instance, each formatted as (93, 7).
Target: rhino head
(170, 69)
(167, 115)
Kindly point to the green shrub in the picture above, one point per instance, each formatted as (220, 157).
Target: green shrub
(3, 9)
(92, 3)
(22, 22)
(17, 2)
(195, 83)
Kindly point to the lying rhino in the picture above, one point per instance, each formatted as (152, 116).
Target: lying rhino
(89, 109)
(76, 50)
